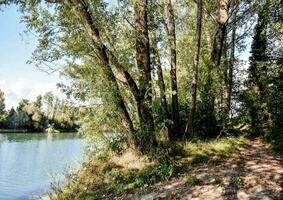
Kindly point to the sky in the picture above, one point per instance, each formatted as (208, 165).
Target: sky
(19, 80)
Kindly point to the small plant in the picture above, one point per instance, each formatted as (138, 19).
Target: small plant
(237, 182)
(193, 180)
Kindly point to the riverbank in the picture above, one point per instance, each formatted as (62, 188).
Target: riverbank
(120, 175)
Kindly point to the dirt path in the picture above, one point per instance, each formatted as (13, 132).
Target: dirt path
(255, 173)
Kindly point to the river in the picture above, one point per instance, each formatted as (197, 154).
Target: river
(29, 160)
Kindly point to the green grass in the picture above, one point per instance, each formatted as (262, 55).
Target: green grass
(96, 179)
(237, 182)
(193, 180)
(203, 152)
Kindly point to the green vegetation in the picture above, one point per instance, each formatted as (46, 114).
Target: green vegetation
(31, 116)
(237, 182)
(193, 180)
(102, 178)
(132, 64)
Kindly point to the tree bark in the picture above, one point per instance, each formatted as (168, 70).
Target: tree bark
(215, 61)
(143, 64)
(171, 32)
(235, 5)
(189, 127)
(159, 72)
(220, 32)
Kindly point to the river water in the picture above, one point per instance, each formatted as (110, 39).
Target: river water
(30, 161)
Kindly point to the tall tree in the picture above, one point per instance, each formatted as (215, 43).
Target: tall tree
(159, 72)
(213, 67)
(38, 102)
(235, 6)
(221, 25)
(2, 103)
(143, 64)
(2, 109)
(189, 127)
(171, 32)
(82, 11)
(258, 69)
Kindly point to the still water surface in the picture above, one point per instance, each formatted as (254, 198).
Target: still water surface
(28, 159)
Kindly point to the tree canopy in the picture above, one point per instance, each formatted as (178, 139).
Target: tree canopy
(145, 68)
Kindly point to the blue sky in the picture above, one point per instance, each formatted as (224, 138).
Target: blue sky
(17, 79)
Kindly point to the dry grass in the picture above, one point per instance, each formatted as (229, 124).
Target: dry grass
(129, 160)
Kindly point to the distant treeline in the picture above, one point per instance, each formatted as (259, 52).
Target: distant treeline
(46, 112)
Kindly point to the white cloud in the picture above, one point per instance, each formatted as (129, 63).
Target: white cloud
(24, 89)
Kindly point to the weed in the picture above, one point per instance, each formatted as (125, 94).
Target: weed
(193, 180)
(237, 182)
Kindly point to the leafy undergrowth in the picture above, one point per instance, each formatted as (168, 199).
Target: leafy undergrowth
(101, 178)
(274, 136)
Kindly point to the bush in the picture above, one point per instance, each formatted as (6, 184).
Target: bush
(275, 137)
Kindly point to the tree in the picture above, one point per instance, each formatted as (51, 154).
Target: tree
(38, 102)
(143, 64)
(159, 72)
(2, 103)
(189, 128)
(258, 71)
(232, 61)
(3, 114)
(171, 32)
(11, 119)
(214, 72)
(48, 99)
(82, 12)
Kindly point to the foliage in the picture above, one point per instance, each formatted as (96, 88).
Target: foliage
(275, 137)
(130, 65)
(237, 182)
(263, 98)
(30, 115)
(3, 114)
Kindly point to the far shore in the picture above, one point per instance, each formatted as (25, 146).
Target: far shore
(31, 131)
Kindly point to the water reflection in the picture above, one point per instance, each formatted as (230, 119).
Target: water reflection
(27, 160)
(22, 137)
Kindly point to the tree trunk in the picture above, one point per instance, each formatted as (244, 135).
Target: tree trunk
(225, 94)
(189, 127)
(171, 32)
(159, 72)
(220, 32)
(235, 5)
(215, 60)
(143, 64)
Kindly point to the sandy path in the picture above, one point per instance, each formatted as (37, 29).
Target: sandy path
(253, 174)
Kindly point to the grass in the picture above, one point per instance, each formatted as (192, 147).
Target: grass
(193, 180)
(98, 178)
(237, 182)
(209, 151)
